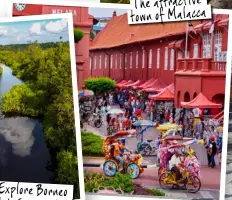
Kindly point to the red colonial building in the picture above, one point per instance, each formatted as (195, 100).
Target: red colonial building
(133, 52)
(81, 19)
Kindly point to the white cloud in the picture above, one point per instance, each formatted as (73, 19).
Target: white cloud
(35, 29)
(57, 26)
(3, 31)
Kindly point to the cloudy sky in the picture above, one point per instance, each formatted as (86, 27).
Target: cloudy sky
(41, 30)
(105, 12)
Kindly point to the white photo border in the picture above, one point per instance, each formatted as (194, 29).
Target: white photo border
(68, 16)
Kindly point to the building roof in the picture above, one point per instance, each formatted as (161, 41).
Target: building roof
(118, 32)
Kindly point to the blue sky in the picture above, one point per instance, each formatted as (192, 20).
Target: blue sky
(105, 12)
(22, 32)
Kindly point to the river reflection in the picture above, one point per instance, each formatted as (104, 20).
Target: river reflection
(23, 152)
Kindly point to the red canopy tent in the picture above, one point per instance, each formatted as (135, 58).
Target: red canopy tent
(127, 84)
(121, 82)
(157, 85)
(200, 101)
(165, 95)
(145, 84)
(124, 83)
(170, 87)
(137, 83)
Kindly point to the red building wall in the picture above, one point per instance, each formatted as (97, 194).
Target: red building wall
(82, 20)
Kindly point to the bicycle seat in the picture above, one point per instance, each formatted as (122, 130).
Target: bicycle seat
(149, 140)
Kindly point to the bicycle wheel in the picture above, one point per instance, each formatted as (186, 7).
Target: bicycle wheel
(133, 170)
(193, 184)
(146, 149)
(98, 123)
(160, 171)
(110, 168)
(166, 181)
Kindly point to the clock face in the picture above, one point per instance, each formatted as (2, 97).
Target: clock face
(19, 6)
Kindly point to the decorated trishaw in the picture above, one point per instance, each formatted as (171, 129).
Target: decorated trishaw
(131, 161)
(189, 167)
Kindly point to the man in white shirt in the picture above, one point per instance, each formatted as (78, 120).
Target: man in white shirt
(174, 164)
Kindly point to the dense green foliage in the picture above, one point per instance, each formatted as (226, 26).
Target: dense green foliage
(120, 181)
(22, 100)
(100, 85)
(68, 170)
(78, 35)
(46, 92)
(1, 70)
(91, 144)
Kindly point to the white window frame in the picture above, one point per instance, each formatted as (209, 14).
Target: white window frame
(100, 62)
(111, 61)
(143, 61)
(90, 63)
(207, 47)
(125, 60)
(131, 60)
(95, 62)
(158, 58)
(218, 55)
(150, 58)
(120, 61)
(116, 61)
(105, 61)
(166, 58)
(195, 50)
(137, 59)
(172, 59)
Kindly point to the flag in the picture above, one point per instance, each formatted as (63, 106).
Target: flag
(191, 27)
(211, 30)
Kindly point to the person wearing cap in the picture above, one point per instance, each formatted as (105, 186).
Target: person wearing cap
(118, 147)
(175, 163)
(212, 151)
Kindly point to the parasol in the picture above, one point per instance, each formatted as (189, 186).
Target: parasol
(115, 111)
(86, 93)
(143, 123)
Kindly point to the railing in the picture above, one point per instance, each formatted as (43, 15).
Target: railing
(200, 64)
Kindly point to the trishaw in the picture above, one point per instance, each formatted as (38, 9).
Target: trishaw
(190, 168)
(144, 147)
(132, 162)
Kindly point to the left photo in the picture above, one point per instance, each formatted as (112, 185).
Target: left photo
(37, 124)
